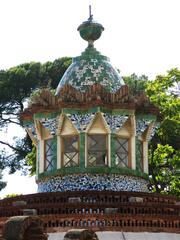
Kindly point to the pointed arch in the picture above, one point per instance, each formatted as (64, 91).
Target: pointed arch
(128, 129)
(98, 125)
(147, 133)
(33, 139)
(42, 132)
(65, 126)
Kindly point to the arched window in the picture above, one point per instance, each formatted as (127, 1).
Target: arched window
(122, 158)
(97, 150)
(70, 151)
(48, 155)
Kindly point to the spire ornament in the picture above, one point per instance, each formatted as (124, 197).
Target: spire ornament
(90, 15)
(90, 30)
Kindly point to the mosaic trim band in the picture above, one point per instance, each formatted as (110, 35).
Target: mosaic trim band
(96, 182)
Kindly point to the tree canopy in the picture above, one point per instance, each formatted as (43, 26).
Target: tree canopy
(164, 157)
(16, 86)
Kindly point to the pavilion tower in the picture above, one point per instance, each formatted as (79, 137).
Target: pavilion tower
(93, 133)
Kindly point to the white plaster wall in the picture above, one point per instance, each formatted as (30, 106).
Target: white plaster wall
(125, 236)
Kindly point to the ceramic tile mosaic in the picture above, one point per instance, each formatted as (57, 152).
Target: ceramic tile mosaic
(31, 126)
(154, 130)
(141, 125)
(90, 68)
(115, 121)
(81, 121)
(50, 123)
(96, 182)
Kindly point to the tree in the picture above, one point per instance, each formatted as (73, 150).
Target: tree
(164, 168)
(137, 84)
(164, 154)
(2, 184)
(16, 85)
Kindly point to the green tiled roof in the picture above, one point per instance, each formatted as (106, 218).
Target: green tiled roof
(91, 67)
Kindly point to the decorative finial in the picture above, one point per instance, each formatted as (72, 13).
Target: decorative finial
(90, 30)
(90, 15)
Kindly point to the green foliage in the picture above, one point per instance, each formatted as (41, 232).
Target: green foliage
(160, 94)
(31, 160)
(2, 184)
(12, 195)
(137, 84)
(53, 71)
(164, 170)
(165, 158)
(37, 92)
(16, 86)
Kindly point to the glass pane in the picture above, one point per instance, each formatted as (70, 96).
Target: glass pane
(121, 152)
(71, 151)
(97, 150)
(70, 144)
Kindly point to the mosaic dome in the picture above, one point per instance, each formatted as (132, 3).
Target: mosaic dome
(91, 67)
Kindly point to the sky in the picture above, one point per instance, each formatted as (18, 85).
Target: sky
(141, 36)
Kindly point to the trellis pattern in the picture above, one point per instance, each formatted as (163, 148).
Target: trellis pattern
(139, 154)
(48, 158)
(70, 152)
(121, 152)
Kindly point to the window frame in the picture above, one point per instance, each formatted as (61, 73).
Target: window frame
(62, 150)
(107, 148)
(129, 151)
(46, 166)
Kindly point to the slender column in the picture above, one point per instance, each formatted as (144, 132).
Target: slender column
(133, 152)
(109, 150)
(41, 159)
(145, 157)
(59, 161)
(82, 150)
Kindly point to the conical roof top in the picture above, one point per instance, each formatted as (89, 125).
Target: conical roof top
(91, 67)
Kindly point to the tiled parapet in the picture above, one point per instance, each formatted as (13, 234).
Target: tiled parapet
(95, 182)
